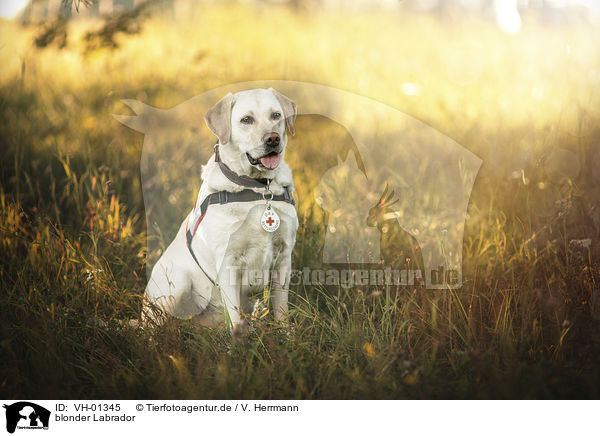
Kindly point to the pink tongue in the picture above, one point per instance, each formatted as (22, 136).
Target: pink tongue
(271, 161)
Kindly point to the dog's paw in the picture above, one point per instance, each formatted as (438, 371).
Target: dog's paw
(240, 329)
(243, 328)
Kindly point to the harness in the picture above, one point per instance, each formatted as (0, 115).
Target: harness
(224, 197)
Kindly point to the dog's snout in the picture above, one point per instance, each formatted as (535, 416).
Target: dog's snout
(271, 139)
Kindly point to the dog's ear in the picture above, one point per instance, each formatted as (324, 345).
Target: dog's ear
(290, 110)
(218, 119)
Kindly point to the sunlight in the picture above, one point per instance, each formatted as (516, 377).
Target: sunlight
(12, 8)
(507, 16)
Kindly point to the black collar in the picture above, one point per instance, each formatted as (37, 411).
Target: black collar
(246, 181)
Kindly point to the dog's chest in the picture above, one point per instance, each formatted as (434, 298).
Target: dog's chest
(236, 230)
(252, 234)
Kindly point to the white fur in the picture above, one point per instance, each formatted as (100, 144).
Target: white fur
(230, 239)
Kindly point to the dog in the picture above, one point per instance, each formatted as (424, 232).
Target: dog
(240, 235)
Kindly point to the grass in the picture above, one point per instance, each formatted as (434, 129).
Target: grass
(525, 323)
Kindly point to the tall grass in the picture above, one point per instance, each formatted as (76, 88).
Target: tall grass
(73, 238)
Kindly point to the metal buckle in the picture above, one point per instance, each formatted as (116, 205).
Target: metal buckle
(217, 157)
(265, 193)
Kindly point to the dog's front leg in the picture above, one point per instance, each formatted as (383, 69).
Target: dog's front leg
(280, 282)
(230, 282)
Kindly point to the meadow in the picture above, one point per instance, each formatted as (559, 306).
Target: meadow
(73, 234)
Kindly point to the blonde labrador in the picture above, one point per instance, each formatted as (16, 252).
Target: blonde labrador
(230, 253)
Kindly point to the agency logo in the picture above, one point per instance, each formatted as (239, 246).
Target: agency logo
(26, 415)
(394, 198)
(350, 237)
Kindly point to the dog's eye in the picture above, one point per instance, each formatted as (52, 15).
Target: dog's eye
(247, 120)
(275, 115)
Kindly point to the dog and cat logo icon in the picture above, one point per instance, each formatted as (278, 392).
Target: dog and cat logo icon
(26, 415)
(396, 198)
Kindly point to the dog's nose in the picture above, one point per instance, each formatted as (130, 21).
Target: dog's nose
(271, 139)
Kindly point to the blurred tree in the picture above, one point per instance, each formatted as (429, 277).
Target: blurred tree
(124, 16)
(53, 31)
(129, 21)
(70, 4)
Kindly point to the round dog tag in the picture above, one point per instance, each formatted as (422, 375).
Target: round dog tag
(270, 220)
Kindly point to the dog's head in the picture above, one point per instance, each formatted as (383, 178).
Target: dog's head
(251, 125)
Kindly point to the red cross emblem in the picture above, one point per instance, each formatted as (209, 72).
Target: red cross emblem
(269, 220)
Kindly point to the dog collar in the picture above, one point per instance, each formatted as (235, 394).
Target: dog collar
(224, 197)
(246, 181)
